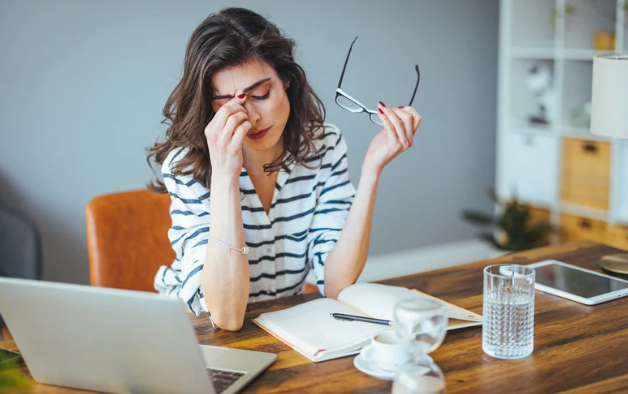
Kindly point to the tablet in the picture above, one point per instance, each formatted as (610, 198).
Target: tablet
(577, 284)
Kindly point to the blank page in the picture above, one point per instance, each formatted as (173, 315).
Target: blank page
(310, 329)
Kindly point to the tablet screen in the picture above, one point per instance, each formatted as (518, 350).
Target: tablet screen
(576, 282)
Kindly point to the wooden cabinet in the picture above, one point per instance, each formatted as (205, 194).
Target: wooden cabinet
(618, 236)
(585, 173)
(575, 228)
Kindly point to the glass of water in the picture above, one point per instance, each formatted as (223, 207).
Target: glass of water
(422, 322)
(508, 330)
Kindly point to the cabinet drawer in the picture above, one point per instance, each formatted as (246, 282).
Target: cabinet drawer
(576, 228)
(618, 237)
(585, 173)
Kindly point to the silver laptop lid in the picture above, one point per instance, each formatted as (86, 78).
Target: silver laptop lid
(108, 340)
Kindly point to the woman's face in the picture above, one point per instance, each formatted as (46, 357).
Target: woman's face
(266, 103)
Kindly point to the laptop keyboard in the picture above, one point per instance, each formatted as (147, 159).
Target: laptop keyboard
(223, 379)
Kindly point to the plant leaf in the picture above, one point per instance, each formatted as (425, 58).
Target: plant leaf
(479, 218)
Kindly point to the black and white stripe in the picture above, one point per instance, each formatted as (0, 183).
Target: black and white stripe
(308, 212)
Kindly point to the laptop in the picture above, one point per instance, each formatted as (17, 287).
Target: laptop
(118, 341)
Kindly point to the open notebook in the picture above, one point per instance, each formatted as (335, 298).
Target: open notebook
(309, 329)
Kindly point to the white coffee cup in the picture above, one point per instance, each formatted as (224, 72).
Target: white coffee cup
(387, 350)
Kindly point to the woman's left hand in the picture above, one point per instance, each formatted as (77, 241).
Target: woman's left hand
(400, 125)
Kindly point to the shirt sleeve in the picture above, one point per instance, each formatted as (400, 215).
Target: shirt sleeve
(189, 210)
(332, 207)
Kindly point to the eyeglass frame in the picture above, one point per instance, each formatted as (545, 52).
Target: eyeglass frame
(339, 92)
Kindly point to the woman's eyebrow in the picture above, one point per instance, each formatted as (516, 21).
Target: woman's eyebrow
(256, 84)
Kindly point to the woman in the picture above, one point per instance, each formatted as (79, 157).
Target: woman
(247, 126)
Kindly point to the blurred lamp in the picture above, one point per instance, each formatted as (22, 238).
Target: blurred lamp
(609, 118)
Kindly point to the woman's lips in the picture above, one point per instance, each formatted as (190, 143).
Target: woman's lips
(258, 134)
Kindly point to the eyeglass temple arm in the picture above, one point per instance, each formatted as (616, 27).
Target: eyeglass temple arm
(418, 79)
(346, 61)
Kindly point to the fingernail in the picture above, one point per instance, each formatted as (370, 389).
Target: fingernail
(382, 104)
(241, 96)
(401, 106)
(380, 110)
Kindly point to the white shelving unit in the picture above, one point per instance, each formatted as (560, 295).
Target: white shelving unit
(559, 33)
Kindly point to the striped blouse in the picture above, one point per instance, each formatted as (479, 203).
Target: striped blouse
(308, 211)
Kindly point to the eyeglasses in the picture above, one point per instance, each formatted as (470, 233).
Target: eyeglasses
(347, 102)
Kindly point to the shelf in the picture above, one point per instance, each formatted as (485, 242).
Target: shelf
(533, 53)
(581, 54)
(576, 93)
(524, 101)
(586, 212)
(580, 133)
(522, 128)
(587, 18)
(537, 13)
(531, 157)
(551, 54)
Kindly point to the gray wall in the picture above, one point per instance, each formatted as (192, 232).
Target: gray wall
(83, 83)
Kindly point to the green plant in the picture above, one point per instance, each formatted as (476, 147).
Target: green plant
(512, 228)
(12, 378)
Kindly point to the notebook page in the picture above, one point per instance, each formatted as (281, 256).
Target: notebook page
(379, 300)
(312, 331)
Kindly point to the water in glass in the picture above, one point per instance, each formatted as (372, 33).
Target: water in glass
(508, 330)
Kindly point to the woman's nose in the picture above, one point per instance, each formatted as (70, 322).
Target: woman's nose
(254, 115)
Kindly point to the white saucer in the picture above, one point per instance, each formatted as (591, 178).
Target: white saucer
(370, 368)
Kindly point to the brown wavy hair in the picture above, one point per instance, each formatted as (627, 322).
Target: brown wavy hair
(231, 38)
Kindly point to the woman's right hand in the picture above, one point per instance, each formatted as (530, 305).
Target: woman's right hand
(224, 134)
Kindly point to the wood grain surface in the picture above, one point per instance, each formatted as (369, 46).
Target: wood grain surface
(578, 348)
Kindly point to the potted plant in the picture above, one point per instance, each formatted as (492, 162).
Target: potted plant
(511, 228)
(11, 377)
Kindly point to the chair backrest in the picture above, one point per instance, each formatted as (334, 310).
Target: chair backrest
(127, 239)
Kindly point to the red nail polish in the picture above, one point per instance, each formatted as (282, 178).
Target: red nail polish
(380, 111)
(241, 96)
(401, 106)
(382, 104)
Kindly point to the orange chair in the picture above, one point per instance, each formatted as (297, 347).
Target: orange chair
(127, 239)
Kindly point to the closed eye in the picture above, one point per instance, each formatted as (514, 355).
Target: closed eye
(264, 97)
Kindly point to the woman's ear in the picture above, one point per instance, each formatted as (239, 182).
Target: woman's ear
(286, 85)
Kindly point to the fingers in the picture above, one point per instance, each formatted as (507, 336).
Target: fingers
(239, 134)
(416, 118)
(388, 126)
(224, 123)
(231, 107)
(232, 124)
(397, 123)
(408, 123)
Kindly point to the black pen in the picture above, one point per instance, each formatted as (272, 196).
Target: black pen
(342, 316)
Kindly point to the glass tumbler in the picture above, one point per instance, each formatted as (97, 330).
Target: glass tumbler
(422, 322)
(508, 329)
(422, 376)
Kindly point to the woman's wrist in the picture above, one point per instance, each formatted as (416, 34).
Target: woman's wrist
(225, 180)
(370, 174)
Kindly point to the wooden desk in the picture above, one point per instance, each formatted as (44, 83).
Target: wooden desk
(578, 348)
